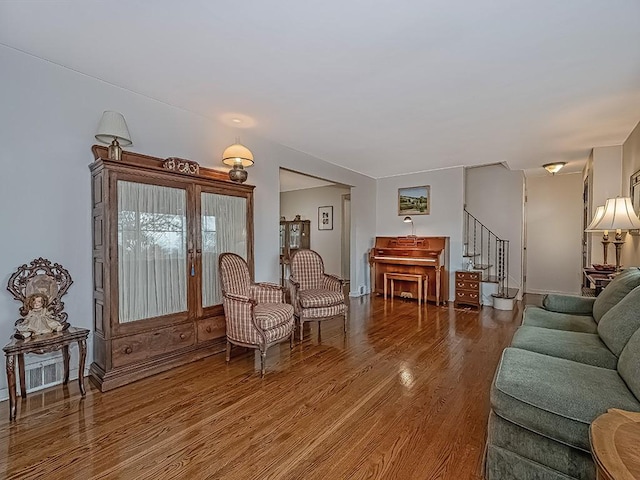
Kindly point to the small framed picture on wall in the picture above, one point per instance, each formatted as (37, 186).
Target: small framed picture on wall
(325, 218)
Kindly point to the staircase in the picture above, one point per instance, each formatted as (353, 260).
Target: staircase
(484, 251)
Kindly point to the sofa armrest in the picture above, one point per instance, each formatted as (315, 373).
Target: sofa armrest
(571, 304)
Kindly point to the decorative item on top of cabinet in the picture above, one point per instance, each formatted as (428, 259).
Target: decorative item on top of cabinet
(157, 234)
(467, 288)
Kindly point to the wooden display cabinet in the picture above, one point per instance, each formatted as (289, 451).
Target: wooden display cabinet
(294, 235)
(157, 234)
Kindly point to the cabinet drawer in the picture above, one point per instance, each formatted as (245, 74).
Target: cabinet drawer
(211, 328)
(468, 276)
(467, 285)
(467, 296)
(139, 347)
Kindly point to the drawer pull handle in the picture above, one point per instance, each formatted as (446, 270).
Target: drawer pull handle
(208, 329)
(473, 295)
(127, 350)
(182, 336)
(460, 284)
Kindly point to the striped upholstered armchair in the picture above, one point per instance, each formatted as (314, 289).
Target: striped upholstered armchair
(315, 295)
(256, 313)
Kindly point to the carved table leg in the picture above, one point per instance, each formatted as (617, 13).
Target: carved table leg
(23, 383)
(438, 286)
(65, 361)
(82, 345)
(11, 381)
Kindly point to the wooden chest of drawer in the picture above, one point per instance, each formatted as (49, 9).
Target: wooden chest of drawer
(142, 346)
(467, 288)
(211, 328)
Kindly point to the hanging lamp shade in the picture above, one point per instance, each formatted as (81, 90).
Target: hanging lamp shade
(596, 219)
(237, 154)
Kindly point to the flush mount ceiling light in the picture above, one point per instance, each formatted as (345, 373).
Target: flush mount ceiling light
(554, 167)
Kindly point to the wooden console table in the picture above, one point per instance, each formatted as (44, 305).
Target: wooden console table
(43, 344)
(615, 441)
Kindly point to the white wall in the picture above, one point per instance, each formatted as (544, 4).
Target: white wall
(445, 219)
(630, 165)
(493, 194)
(49, 117)
(607, 183)
(328, 243)
(554, 234)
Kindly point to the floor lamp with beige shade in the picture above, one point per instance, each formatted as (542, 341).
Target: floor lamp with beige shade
(605, 233)
(618, 215)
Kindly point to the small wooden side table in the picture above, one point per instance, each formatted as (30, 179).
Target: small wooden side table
(615, 445)
(421, 280)
(43, 344)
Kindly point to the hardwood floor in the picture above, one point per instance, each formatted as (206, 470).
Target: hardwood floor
(405, 395)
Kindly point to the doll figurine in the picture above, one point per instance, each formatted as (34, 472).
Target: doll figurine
(39, 320)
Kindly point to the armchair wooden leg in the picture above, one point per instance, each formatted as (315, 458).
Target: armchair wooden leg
(345, 322)
(263, 356)
(292, 336)
(228, 357)
(301, 328)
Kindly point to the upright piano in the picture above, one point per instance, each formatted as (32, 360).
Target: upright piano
(418, 255)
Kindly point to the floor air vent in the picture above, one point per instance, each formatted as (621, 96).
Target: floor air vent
(43, 375)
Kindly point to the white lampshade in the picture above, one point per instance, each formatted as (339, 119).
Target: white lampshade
(237, 154)
(596, 219)
(407, 220)
(113, 125)
(618, 215)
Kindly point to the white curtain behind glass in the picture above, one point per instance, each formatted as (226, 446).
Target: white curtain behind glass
(224, 229)
(152, 241)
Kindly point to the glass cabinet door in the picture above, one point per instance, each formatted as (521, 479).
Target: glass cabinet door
(224, 229)
(294, 236)
(152, 250)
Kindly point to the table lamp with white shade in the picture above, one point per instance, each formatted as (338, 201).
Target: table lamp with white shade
(113, 130)
(597, 216)
(618, 215)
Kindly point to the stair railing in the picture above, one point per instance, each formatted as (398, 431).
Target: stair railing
(486, 252)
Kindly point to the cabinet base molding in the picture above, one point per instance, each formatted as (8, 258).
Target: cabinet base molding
(118, 377)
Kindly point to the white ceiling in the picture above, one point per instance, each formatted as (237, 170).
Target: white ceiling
(379, 87)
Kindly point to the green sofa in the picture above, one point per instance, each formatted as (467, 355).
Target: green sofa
(569, 362)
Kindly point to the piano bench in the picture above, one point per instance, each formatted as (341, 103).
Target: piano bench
(421, 280)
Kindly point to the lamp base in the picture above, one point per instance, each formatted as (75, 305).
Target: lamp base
(618, 244)
(238, 174)
(115, 150)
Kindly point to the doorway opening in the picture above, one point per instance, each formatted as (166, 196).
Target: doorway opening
(315, 213)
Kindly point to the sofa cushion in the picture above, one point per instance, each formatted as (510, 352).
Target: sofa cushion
(554, 397)
(577, 346)
(525, 446)
(539, 317)
(623, 319)
(573, 304)
(629, 364)
(619, 287)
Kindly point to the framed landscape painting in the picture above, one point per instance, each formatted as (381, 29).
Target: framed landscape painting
(414, 200)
